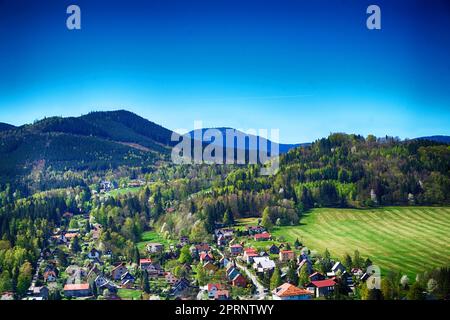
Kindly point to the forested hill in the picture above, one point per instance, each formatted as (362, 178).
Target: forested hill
(96, 141)
(345, 171)
(5, 126)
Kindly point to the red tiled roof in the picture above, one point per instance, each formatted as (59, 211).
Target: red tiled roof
(236, 246)
(250, 250)
(143, 261)
(287, 251)
(217, 285)
(71, 235)
(76, 286)
(323, 283)
(287, 290)
(264, 235)
(203, 255)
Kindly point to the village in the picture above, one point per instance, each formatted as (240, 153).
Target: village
(240, 262)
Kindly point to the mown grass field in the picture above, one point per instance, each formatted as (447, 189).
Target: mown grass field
(152, 236)
(405, 239)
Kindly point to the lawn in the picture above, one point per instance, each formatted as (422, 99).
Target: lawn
(129, 294)
(121, 191)
(152, 236)
(405, 239)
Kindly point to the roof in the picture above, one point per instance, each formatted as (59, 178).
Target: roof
(288, 290)
(203, 255)
(143, 261)
(265, 262)
(120, 265)
(236, 246)
(221, 293)
(216, 285)
(286, 251)
(315, 274)
(202, 247)
(323, 283)
(264, 235)
(71, 235)
(250, 250)
(76, 286)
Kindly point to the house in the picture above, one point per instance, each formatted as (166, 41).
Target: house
(202, 247)
(286, 255)
(274, 249)
(213, 288)
(263, 264)
(40, 292)
(221, 241)
(262, 236)
(153, 269)
(232, 272)
(94, 254)
(336, 267)
(316, 276)
(103, 283)
(155, 247)
(252, 230)
(204, 256)
(239, 281)
(209, 266)
(8, 295)
(50, 276)
(224, 261)
(222, 295)
(170, 278)
(127, 280)
(118, 271)
(249, 254)
(144, 263)
(180, 287)
(321, 288)
(226, 233)
(288, 291)
(77, 290)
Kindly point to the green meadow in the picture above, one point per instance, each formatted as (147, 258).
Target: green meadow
(405, 239)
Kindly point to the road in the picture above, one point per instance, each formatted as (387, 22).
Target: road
(260, 294)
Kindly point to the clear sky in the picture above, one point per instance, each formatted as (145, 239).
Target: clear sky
(306, 67)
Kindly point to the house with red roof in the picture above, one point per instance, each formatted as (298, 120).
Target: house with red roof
(206, 256)
(213, 288)
(262, 236)
(77, 290)
(249, 254)
(239, 281)
(288, 291)
(321, 288)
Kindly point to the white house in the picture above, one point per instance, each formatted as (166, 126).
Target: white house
(263, 264)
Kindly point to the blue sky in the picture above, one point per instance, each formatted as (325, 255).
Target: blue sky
(306, 67)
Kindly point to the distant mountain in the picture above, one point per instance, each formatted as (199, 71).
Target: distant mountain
(439, 138)
(252, 142)
(6, 126)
